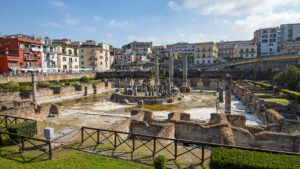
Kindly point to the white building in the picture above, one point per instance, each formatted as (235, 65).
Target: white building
(49, 55)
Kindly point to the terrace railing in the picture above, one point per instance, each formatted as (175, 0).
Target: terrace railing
(92, 139)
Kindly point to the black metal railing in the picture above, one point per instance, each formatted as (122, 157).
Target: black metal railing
(174, 148)
(7, 121)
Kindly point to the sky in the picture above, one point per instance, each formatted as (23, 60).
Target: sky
(119, 22)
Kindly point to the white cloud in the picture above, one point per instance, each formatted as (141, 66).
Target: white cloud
(124, 24)
(58, 3)
(182, 35)
(71, 20)
(97, 18)
(174, 6)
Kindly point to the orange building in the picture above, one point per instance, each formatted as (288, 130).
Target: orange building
(20, 53)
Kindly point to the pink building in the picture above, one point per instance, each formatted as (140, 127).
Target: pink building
(226, 48)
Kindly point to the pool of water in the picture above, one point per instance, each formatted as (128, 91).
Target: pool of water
(199, 104)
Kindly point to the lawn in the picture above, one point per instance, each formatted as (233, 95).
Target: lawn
(278, 101)
(65, 160)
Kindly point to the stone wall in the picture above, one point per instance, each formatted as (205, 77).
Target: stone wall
(44, 77)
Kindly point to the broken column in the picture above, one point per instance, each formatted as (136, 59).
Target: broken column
(95, 88)
(228, 94)
(171, 71)
(185, 71)
(85, 90)
(156, 71)
(125, 86)
(33, 87)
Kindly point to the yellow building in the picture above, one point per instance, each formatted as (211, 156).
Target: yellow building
(95, 56)
(205, 53)
(291, 47)
(67, 55)
(245, 51)
(158, 50)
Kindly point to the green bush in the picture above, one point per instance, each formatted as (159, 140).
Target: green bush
(84, 79)
(27, 128)
(242, 159)
(160, 162)
(43, 84)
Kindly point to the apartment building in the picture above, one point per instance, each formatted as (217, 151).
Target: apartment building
(67, 55)
(269, 40)
(49, 55)
(205, 53)
(20, 53)
(226, 49)
(159, 50)
(245, 51)
(95, 56)
(141, 48)
(291, 47)
(182, 48)
(126, 58)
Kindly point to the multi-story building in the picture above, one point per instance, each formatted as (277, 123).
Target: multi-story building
(245, 51)
(142, 48)
(269, 40)
(67, 55)
(291, 47)
(159, 50)
(205, 53)
(126, 58)
(95, 56)
(20, 53)
(182, 48)
(49, 55)
(226, 48)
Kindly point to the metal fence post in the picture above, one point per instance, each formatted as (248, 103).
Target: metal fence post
(82, 136)
(154, 148)
(50, 150)
(98, 137)
(1, 141)
(5, 119)
(203, 145)
(175, 154)
(133, 146)
(115, 141)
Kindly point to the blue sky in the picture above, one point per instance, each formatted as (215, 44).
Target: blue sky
(118, 22)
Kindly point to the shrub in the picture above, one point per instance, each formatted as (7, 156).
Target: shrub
(84, 79)
(160, 162)
(291, 76)
(244, 159)
(44, 84)
(27, 128)
(292, 94)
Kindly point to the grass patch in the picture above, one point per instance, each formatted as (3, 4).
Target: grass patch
(69, 159)
(278, 101)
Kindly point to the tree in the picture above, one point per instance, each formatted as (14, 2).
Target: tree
(291, 76)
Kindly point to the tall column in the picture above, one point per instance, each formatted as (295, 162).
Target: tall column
(185, 71)
(156, 71)
(33, 87)
(125, 87)
(228, 94)
(171, 71)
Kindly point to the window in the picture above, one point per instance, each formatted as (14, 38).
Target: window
(246, 55)
(75, 59)
(70, 51)
(82, 50)
(82, 62)
(82, 56)
(21, 64)
(252, 55)
(203, 55)
(64, 59)
(208, 61)
(92, 51)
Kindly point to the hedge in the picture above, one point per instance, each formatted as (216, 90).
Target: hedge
(27, 128)
(292, 94)
(160, 162)
(243, 159)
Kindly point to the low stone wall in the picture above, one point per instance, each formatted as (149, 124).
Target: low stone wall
(44, 94)
(44, 77)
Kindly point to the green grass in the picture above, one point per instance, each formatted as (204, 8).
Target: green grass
(64, 160)
(278, 101)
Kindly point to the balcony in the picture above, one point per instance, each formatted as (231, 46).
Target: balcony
(32, 58)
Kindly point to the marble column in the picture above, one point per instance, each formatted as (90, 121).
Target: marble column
(85, 90)
(156, 71)
(185, 71)
(33, 76)
(125, 86)
(171, 71)
(228, 94)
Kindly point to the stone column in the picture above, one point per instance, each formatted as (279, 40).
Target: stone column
(228, 94)
(171, 70)
(146, 92)
(185, 71)
(33, 75)
(156, 71)
(85, 90)
(125, 86)
(95, 88)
